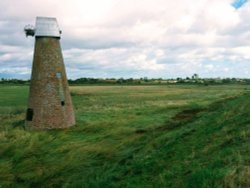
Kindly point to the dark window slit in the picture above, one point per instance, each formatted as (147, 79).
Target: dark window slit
(29, 114)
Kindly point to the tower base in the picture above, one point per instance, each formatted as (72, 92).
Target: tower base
(49, 105)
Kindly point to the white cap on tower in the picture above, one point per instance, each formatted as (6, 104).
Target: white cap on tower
(47, 27)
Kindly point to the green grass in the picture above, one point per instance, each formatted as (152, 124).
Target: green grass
(132, 136)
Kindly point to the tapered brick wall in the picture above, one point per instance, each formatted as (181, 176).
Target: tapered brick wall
(49, 105)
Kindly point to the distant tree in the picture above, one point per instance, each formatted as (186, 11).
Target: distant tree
(195, 76)
(145, 79)
(120, 81)
(226, 80)
(130, 80)
(178, 79)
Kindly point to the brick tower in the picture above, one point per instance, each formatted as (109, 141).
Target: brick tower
(49, 104)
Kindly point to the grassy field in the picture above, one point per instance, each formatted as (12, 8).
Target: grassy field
(132, 136)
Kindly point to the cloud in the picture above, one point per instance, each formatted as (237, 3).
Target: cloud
(118, 38)
(121, 61)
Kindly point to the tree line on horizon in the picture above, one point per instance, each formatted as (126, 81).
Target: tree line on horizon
(195, 79)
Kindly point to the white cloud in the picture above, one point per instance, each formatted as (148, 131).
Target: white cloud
(242, 52)
(130, 38)
(14, 70)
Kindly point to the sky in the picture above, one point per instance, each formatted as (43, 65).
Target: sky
(133, 38)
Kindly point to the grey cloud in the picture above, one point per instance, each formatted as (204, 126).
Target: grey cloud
(159, 38)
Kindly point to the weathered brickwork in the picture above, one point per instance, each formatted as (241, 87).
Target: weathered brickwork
(49, 105)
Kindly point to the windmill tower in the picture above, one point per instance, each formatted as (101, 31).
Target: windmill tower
(49, 104)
